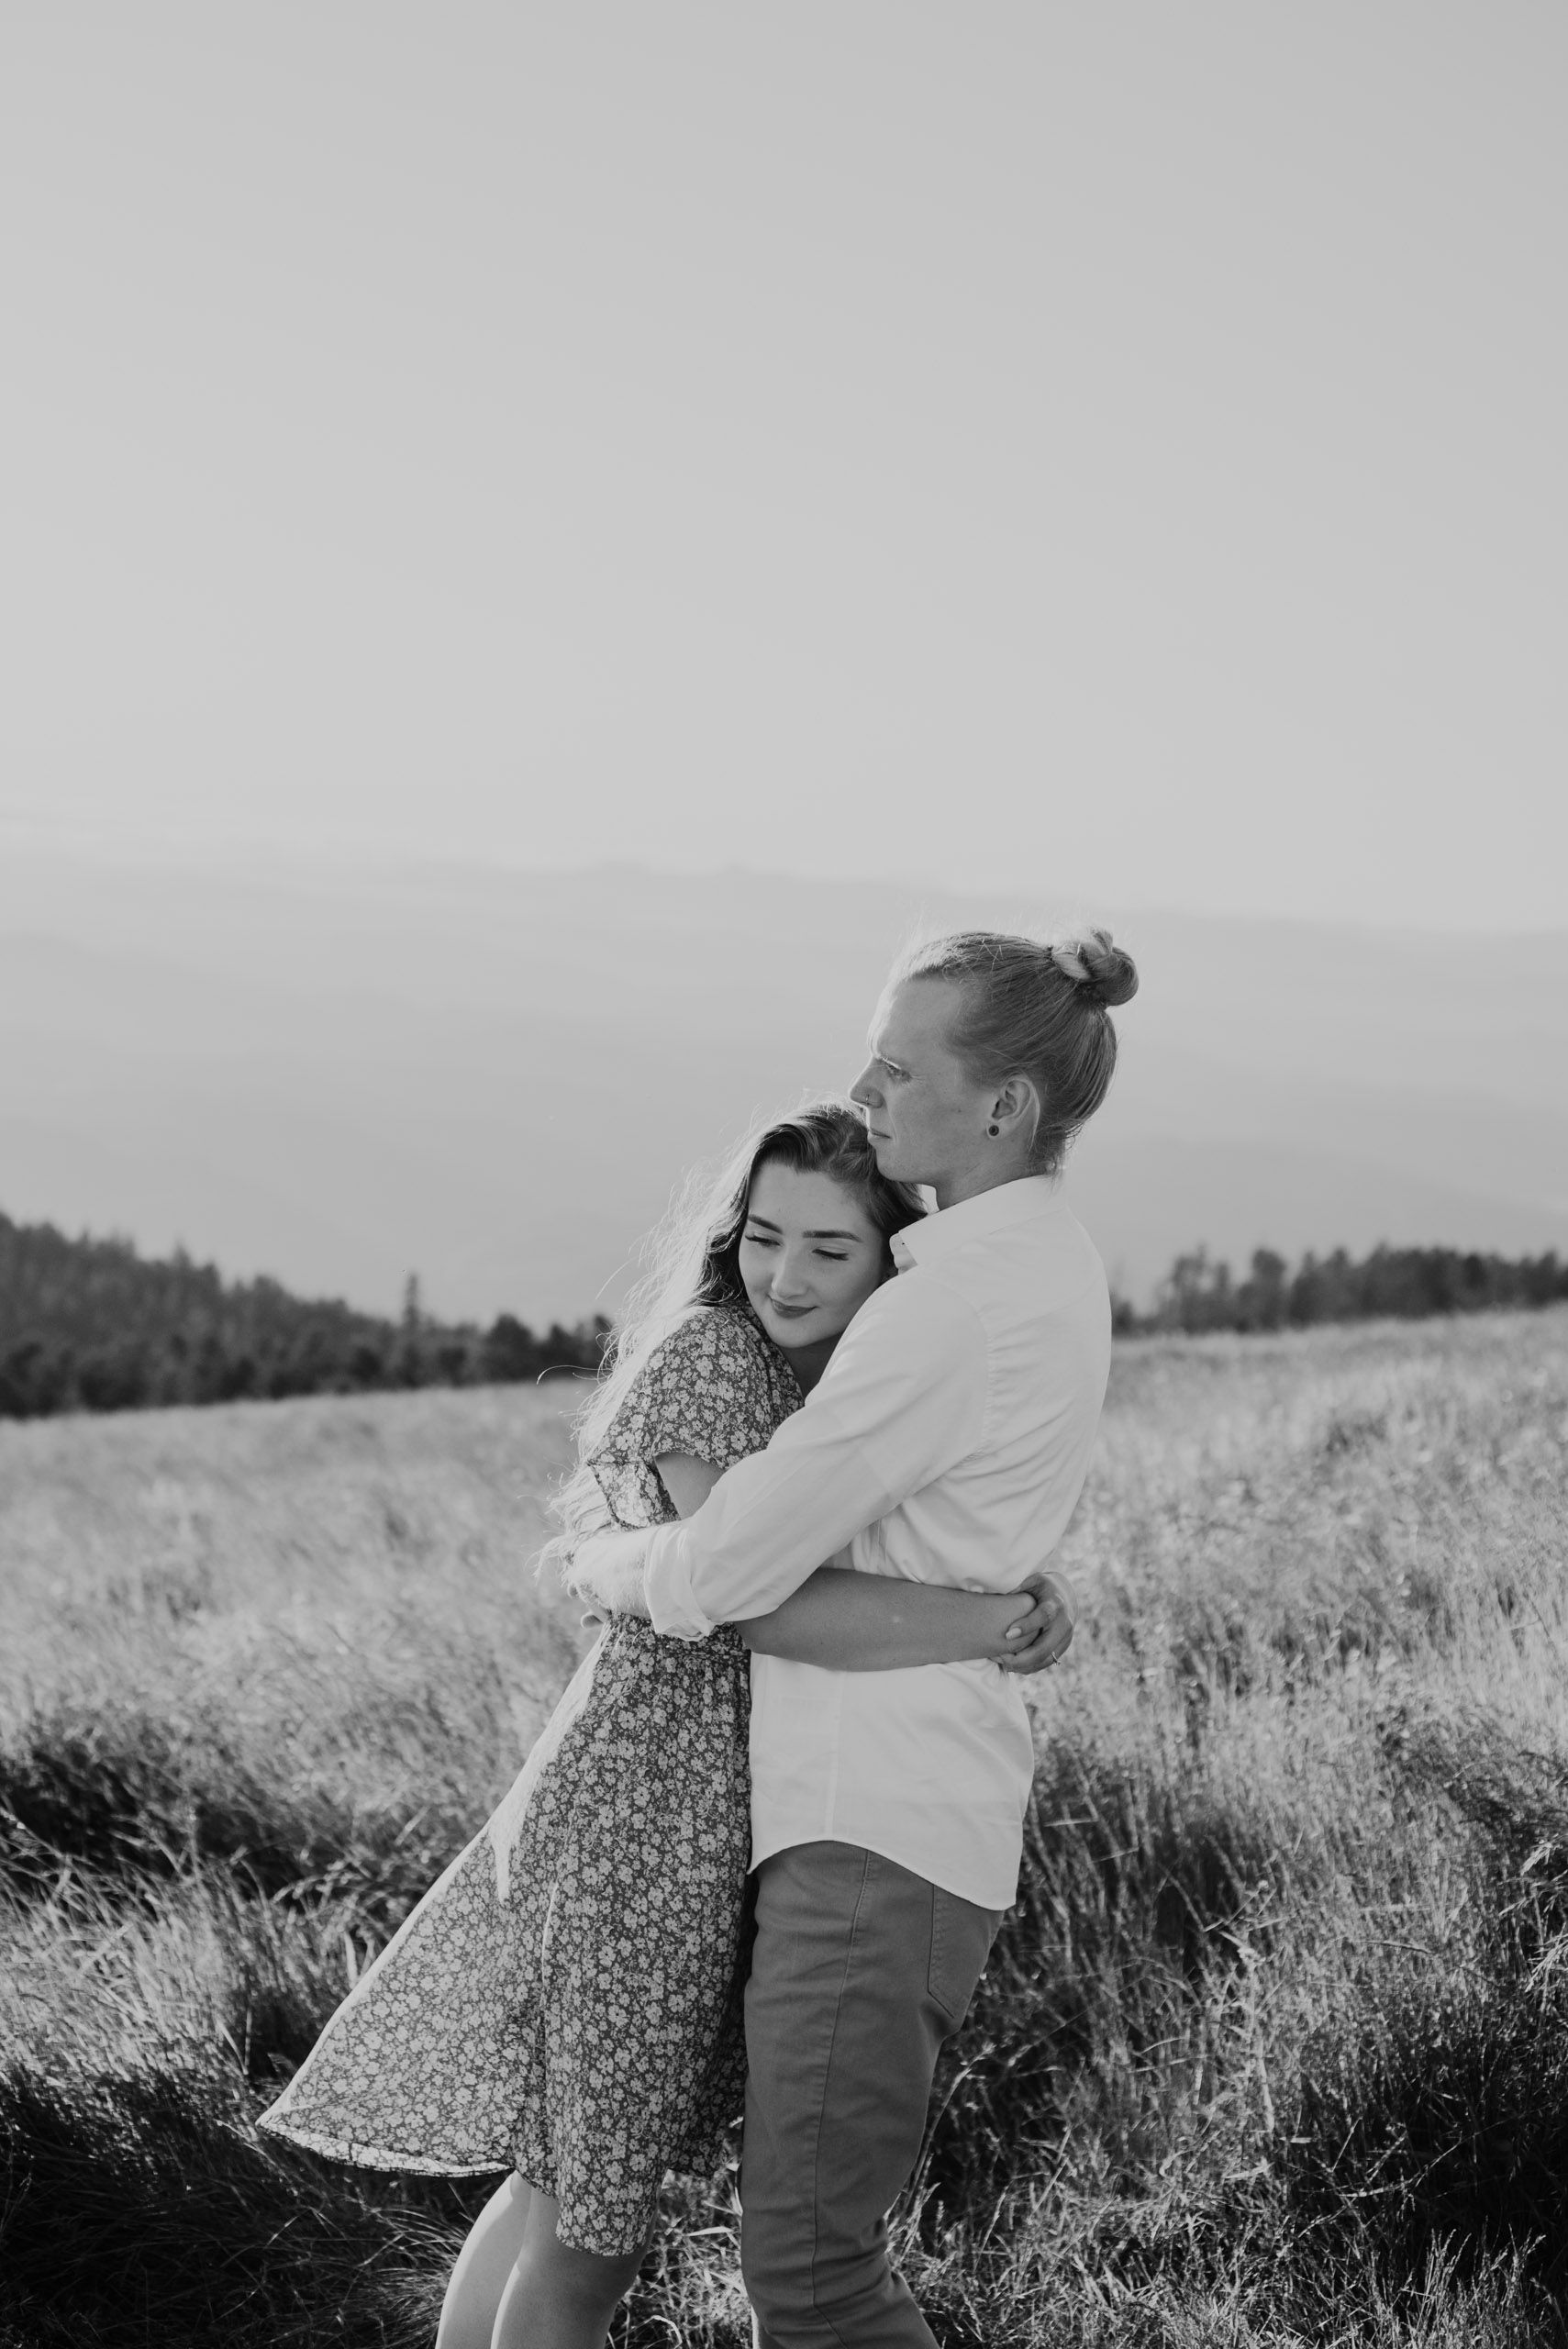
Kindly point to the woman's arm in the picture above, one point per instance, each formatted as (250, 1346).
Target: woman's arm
(855, 1622)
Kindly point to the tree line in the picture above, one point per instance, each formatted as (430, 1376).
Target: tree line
(91, 1325)
(1406, 1283)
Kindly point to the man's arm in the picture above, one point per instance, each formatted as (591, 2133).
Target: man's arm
(849, 1622)
(609, 1570)
(902, 1401)
(859, 1623)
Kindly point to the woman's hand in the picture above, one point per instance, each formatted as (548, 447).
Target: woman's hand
(1042, 1637)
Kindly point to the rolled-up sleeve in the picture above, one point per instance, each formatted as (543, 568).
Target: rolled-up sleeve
(902, 1401)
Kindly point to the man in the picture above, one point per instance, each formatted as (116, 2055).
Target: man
(947, 1442)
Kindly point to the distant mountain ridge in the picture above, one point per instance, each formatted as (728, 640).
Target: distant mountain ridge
(497, 1078)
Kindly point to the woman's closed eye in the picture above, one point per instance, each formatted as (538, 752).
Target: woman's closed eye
(827, 1255)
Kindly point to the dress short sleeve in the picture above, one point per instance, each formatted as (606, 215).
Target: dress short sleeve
(715, 1388)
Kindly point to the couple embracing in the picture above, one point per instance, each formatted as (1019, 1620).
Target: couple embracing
(761, 1850)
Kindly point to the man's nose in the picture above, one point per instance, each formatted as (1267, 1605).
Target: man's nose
(863, 1090)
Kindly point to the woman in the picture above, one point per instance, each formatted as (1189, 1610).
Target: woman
(566, 1999)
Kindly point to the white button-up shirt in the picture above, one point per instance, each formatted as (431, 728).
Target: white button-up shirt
(947, 1442)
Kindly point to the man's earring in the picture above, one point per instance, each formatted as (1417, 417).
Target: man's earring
(993, 1131)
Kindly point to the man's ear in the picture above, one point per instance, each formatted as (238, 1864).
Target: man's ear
(1017, 1102)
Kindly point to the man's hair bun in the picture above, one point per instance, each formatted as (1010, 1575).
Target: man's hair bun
(1104, 970)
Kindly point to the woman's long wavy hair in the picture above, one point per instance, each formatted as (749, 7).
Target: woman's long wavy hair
(693, 1262)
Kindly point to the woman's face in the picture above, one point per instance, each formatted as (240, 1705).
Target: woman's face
(810, 1255)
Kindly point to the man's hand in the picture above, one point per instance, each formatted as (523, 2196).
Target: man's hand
(607, 1569)
(1043, 1636)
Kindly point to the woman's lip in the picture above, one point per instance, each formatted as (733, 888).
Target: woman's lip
(790, 1312)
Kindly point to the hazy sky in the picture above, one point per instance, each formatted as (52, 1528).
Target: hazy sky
(1117, 448)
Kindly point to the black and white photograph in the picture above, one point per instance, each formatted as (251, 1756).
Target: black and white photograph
(783, 1174)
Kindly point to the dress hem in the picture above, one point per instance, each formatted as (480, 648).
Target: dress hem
(367, 2156)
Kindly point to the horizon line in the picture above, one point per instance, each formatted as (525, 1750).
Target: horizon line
(339, 858)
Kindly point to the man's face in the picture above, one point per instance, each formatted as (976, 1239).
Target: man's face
(926, 1115)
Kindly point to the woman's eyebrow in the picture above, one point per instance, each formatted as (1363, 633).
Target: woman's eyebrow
(807, 1235)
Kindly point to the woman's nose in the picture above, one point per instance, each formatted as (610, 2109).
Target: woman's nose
(786, 1281)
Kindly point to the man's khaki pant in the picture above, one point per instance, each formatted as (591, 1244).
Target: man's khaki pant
(860, 1970)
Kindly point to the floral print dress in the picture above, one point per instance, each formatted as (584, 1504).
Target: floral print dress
(565, 2000)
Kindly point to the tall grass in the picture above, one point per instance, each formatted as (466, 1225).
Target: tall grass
(1273, 2049)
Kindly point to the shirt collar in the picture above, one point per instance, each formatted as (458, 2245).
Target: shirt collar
(1001, 1210)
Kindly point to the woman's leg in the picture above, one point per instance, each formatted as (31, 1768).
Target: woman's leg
(484, 2267)
(559, 2297)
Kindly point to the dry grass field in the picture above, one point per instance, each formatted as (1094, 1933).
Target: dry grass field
(1274, 2049)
